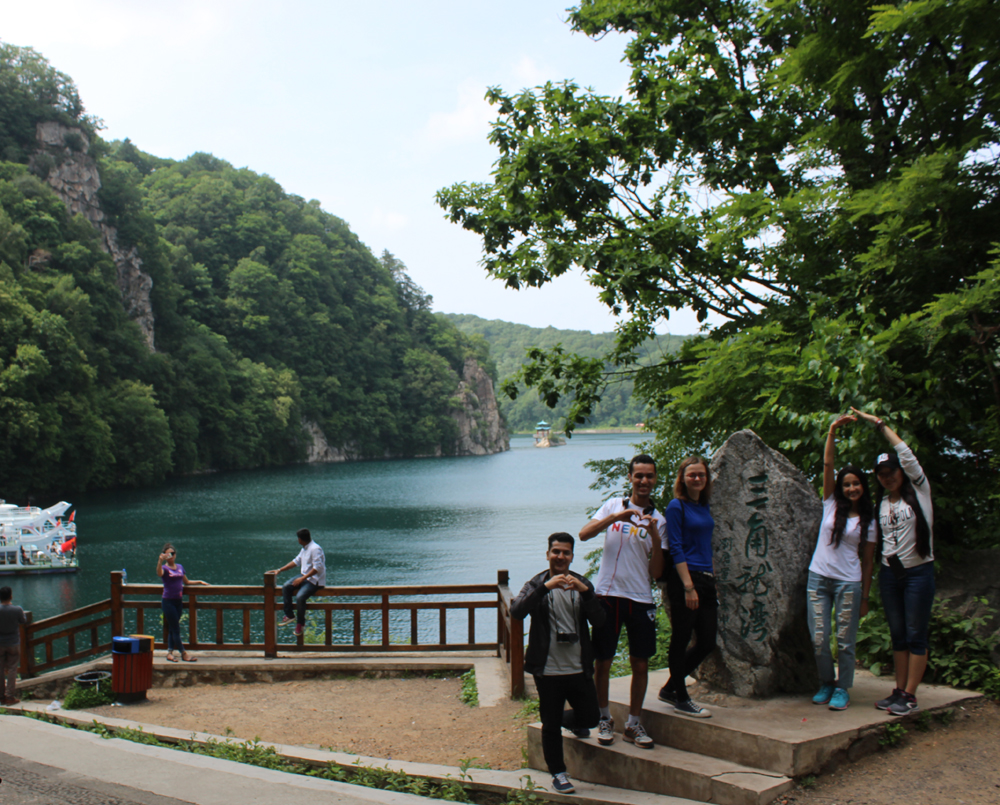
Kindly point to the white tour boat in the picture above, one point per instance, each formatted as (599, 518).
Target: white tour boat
(34, 541)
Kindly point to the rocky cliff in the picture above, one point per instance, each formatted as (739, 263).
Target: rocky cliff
(62, 159)
(481, 431)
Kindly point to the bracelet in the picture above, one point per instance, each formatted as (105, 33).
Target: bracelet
(689, 589)
(880, 426)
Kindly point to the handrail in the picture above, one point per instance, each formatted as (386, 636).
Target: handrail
(258, 628)
(510, 636)
(91, 622)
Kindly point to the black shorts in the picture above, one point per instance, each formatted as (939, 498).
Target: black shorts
(639, 620)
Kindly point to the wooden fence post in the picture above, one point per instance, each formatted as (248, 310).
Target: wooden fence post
(27, 650)
(193, 619)
(117, 613)
(516, 658)
(385, 619)
(503, 580)
(515, 636)
(270, 621)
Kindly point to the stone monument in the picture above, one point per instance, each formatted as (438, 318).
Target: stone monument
(767, 519)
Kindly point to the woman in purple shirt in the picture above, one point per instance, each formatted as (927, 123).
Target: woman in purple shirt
(173, 604)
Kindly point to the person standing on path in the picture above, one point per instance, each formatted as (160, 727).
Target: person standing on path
(11, 620)
(905, 523)
(690, 583)
(632, 557)
(311, 562)
(840, 573)
(173, 600)
(560, 656)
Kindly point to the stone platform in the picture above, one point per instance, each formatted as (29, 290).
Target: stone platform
(747, 753)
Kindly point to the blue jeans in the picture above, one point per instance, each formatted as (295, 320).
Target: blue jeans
(823, 595)
(907, 603)
(172, 609)
(300, 593)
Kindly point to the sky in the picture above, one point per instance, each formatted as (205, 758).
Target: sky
(369, 107)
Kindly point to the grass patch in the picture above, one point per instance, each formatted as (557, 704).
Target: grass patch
(893, 734)
(470, 691)
(253, 753)
(529, 709)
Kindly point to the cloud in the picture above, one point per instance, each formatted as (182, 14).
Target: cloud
(113, 23)
(529, 73)
(388, 219)
(468, 122)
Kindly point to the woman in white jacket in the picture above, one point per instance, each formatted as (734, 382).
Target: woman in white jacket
(905, 523)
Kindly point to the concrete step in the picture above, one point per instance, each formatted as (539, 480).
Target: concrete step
(785, 735)
(662, 770)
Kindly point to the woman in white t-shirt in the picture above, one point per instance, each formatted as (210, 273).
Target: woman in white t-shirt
(906, 575)
(840, 573)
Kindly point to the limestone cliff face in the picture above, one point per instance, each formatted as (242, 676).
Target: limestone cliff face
(480, 430)
(318, 449)
(63, 159)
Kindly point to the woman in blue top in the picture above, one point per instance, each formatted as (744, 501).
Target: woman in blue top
(840, 573)
(694, 605)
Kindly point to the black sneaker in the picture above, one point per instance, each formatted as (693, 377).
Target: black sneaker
(667, 696)
(569, 723)
(890, 700)
(561, 783)
(689, 708)
(907, 703)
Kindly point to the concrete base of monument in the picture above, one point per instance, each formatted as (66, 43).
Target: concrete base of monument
(749, 750)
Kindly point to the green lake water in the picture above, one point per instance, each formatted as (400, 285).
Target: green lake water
(418, 521)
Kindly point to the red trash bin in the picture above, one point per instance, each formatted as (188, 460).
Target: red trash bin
(131, 676)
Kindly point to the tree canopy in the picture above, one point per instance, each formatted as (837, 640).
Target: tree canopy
(269, 313)
(818, 178)
(524, 407)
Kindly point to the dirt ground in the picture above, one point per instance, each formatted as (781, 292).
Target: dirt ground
(420, 719)
(416, 719)
(958, 763)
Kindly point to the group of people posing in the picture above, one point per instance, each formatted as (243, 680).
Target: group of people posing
(576, 625)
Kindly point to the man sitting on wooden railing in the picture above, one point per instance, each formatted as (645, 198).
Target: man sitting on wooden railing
(312, 564)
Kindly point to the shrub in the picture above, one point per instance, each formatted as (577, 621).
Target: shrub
(80, 697)
(958, 655)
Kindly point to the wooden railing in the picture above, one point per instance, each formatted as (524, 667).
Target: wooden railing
(245, 618)
(510, 637)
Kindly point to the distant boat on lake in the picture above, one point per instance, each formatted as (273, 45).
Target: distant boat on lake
(36, 541)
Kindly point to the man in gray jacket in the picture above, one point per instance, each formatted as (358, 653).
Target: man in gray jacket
(11, 618)
(559, 655)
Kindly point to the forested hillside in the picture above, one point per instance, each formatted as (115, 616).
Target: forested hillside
(192, 315)
(509, 343)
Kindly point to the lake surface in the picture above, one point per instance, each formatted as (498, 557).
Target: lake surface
(416, 521)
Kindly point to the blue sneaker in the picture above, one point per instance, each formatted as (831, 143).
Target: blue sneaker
(824, 693)
(561, 783)
(840, 700)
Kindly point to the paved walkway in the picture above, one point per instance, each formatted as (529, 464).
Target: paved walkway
(46, 764)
